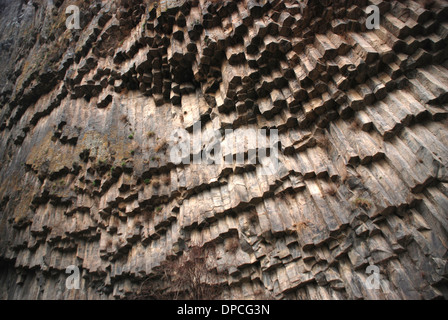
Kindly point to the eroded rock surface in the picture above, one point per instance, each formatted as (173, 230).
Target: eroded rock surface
(85, 123)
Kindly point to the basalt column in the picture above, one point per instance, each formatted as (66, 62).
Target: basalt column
(87, 177)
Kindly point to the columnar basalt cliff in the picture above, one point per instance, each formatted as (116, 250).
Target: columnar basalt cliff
(87, 179)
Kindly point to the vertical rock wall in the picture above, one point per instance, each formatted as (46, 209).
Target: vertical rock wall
(85, 123)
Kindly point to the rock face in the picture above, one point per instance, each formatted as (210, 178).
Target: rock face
(87, 179)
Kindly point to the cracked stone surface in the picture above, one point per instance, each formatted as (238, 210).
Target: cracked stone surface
(85, 123)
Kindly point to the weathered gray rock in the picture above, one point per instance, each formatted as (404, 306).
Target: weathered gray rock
(86, 129)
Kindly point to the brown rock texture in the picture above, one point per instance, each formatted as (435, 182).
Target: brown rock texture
(85, 123)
